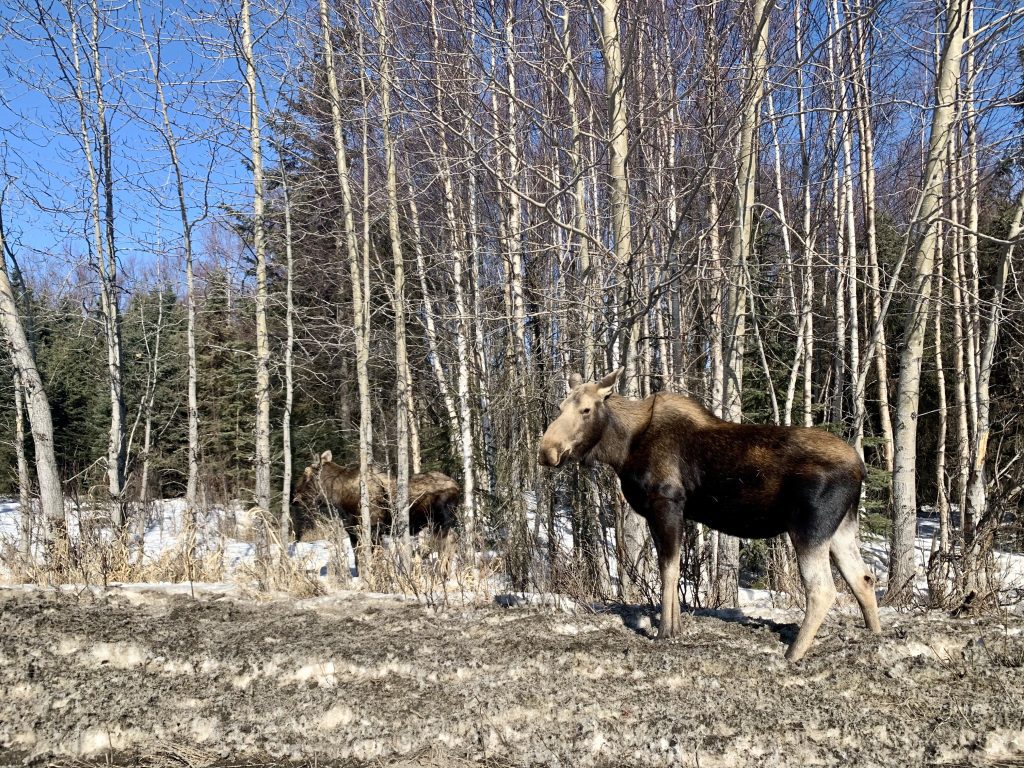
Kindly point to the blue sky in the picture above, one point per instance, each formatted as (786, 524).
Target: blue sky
(45, 212)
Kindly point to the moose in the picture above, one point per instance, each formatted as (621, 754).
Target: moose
(433, 498)
(677, 461)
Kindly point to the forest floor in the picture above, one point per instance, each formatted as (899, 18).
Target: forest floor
(146, 677)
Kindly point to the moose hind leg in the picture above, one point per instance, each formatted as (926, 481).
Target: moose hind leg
(816, 574)
(846, 555)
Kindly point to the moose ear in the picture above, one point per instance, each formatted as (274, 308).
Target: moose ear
(606, 386)
(308, 472)
(326, 457)
(574, 380)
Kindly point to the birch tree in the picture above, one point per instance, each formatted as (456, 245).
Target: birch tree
(727, 575)
(632, 538)
(400, 500)
(924, 235)
(345, 243)
(170, 139)
(51, 496)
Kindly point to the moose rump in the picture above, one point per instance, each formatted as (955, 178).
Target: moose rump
(677, 461)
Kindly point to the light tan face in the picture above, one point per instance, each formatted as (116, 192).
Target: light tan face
(580, 422)
(306, 486)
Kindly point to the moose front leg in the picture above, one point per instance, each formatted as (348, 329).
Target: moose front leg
(667, 532)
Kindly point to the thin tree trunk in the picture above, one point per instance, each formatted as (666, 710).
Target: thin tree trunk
(284, 524)
(727, 576)
(51, 496)
(866, 147)
(901, 558)
(153, 378)
(110, 289)
(978, 548)
(633, 538)
(192, 404)
(429, 313)
(24, 479)
(400, 500)
(101, 214)
(941, 497)
(462, 320)
(261, 458)
(345, 241)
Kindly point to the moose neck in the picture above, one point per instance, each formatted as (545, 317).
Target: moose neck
(626, 419)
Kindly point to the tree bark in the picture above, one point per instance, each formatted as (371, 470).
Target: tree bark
(192, 404)
(261, 458)
(902, 568)
(51, 496)
(345, 240)
(727, 575)
(400, 500)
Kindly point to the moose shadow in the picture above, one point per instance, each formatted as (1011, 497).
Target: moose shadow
(643, 620)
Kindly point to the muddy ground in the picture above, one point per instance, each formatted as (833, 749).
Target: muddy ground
(154, 679)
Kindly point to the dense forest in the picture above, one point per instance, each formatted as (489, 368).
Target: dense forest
(238, 235)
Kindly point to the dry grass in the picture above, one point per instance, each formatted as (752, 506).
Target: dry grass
(99, 557)
(438, 571)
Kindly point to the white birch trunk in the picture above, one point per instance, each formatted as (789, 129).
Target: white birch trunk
(345, 241)
(284, 523)
(632, 541)
(400, 500)
(901, 558)
(261, 458)
(51, 496)
(192, 402)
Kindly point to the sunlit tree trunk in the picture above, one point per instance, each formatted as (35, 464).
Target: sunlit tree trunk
(941, 497)
(94, 132)
(727, 575)
(261, 459)
(345, 242)
(632, 541)
(857, 31)
(284, 523)
(976, 570)
(400, 499)
(429, 310)
(901, 557)
(24, 479)
(149, 399)
(169, 137)
(51, 496)
(462, 320)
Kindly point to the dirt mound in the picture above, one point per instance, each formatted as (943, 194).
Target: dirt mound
(157, 680)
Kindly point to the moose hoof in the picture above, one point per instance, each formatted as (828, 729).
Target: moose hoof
(793, 654)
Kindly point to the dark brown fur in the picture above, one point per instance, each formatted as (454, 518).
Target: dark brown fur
(677, 461)
(433, 500)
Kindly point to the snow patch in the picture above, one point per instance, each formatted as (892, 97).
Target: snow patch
(106, 738)
(119, 655)
(337, 716)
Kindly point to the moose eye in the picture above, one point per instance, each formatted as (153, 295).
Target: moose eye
(585, 411)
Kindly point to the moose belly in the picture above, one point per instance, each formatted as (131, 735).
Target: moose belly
(749, 511)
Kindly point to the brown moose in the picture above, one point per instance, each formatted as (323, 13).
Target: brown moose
(337, 487)
(677, 461)
(433, 498)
